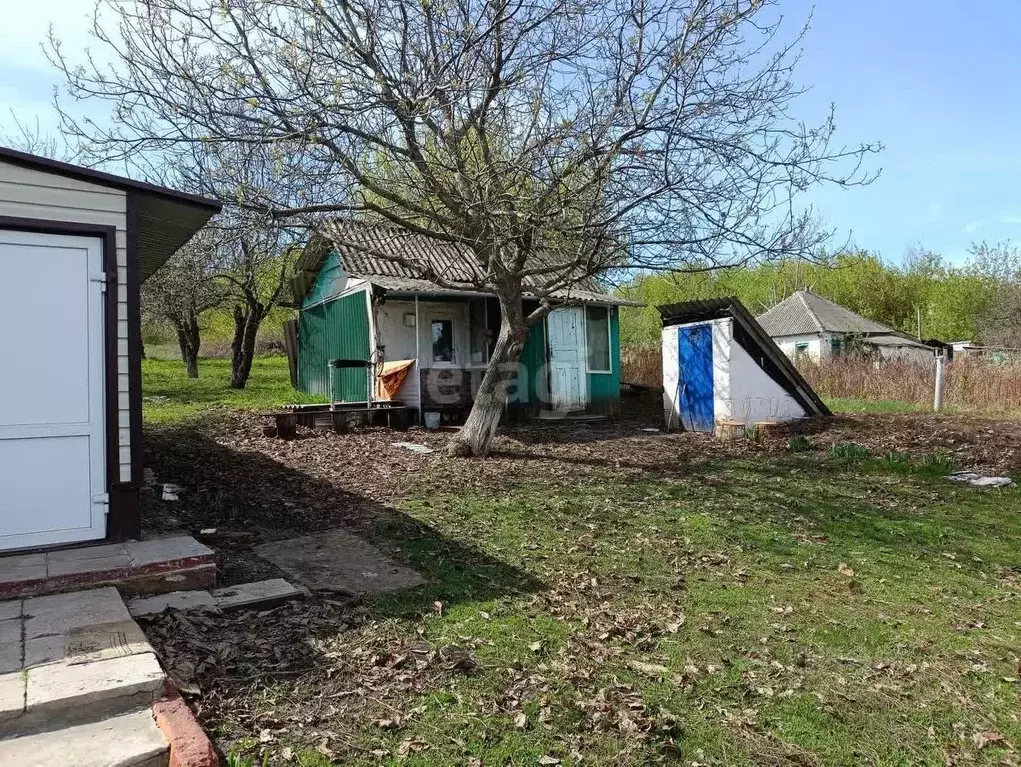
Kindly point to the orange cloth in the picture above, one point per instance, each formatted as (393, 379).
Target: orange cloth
(391, 377)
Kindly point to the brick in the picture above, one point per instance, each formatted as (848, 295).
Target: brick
(189, 745)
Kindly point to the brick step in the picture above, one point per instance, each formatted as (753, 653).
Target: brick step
(129, 739)
(137, 567)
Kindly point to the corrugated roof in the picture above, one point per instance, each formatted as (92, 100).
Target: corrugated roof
(750, 335)
(805, 313)
(360, 244)
(897, 340)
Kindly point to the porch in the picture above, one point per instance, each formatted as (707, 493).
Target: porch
(429, 351)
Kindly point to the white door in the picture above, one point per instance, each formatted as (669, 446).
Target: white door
(52, 410)
(566, 330)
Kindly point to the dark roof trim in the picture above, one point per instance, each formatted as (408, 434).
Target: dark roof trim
(46, 165)
(754, 340)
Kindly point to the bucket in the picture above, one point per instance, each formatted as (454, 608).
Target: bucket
(432, 420)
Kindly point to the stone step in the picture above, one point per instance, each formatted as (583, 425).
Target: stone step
(127, 740)
(59, 696)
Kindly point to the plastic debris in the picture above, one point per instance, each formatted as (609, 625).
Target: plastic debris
(414, 447)
(980, 480)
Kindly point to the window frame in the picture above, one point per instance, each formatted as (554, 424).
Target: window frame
(433, 362)
(485, 334)
(609, 340)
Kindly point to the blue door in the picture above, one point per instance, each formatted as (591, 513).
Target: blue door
(695, 358)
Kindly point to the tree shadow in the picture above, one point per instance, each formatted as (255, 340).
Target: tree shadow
(249, 498)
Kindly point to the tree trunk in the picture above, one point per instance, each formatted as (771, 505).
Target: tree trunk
(188, 340)
(477, 433)
(246, 328)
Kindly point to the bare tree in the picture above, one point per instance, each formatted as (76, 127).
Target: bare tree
(184, 287)
(32, 139)
(256, 268)
(552, 141)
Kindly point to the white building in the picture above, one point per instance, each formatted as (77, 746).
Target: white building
(807, 326)
(719, 366)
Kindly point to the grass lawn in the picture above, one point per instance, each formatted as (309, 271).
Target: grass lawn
(615, 599)
(169, 396)
(848, 405)
(788, 611)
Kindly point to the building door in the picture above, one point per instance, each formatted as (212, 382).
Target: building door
(566, 328)
(52, 403)
(695, 383)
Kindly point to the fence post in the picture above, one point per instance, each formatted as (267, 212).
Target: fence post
(938, 399)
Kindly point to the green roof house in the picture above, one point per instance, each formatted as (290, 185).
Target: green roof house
(428, 346)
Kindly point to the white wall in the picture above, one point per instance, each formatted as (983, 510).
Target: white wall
(399, 343)
(27, 193)
(742, 391)
(671, 377)
(818, 345)
(755, 395)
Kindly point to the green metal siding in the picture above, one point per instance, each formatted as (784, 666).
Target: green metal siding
(337, 329)
(329, 281)
(533, 367)
(605, 387)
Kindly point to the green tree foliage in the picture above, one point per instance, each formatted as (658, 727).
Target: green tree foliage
(949, 301)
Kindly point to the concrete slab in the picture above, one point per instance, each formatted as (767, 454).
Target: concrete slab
(44, 649)
(10, 646)
(108, 564)
(10, 610)
(260, 594)
(180, 547)
(22, 567)
(84, 553)
(339, 561)
(58, 613)
(128, 740)
(104, 641)
(12, 696)
(176, 600)
(58, 692)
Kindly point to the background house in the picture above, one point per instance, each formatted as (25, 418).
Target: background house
(807, 326)
(75, 246)
(433, 342)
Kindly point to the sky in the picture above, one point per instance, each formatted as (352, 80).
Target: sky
(937, 82)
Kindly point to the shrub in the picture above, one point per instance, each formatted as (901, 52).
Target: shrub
(969, 383)
(799, 443)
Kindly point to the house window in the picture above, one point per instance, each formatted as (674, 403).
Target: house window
(800, 352)
(836, 347)
(597, 338)
(478, 332)
(443, 341)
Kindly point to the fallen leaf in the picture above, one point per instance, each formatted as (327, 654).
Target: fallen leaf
(843, 569)
(983, 739)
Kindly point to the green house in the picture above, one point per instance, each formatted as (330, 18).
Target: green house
(428, 346)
